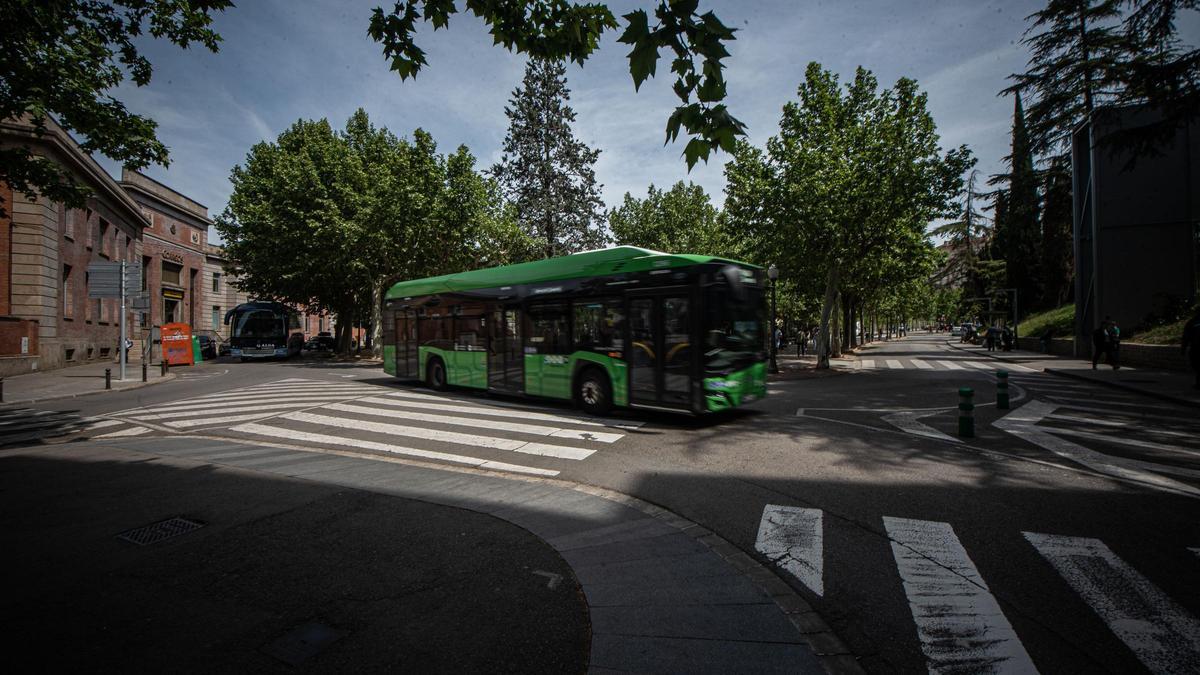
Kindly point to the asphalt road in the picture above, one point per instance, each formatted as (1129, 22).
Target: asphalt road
(1063, 537)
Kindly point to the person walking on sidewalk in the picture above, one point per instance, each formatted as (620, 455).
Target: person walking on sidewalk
(1099, 343)
(1114, 344)
(1191, 345)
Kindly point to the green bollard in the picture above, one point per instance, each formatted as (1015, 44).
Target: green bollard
(1002, 389)
(966, 412)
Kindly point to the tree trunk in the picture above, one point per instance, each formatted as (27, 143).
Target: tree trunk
(836, 334)
(345, 321)
(377, 318)
(823, 342)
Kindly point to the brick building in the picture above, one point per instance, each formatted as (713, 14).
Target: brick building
(46, 319)
(222, 295)
(173, 252)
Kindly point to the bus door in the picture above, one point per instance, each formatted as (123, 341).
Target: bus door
(407, 361)
(660, 353)
(506, 358)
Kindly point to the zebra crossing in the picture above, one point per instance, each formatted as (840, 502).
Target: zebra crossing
(345, 415)
(931, 364)
(961, 627)
(31, 425)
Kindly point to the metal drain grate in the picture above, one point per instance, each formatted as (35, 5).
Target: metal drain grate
(163, 529)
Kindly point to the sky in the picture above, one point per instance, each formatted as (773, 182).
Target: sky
(281, 61)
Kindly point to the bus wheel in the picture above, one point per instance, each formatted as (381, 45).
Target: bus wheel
(593, 391)
(435, 374)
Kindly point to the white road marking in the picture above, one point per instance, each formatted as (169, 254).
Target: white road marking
(553, 579)
(227, 419)
(536, 429)
(981, 365)
(1195, 550)
(472, 440)
(909, 421)
(123, 433)
(950, 365)
(1120, 413)
(260, 394)
(603, 421)
(921, 364)
(290, 434)
(1163, 635)
(227, 409)
(1119, 440)
(1090, 401)
(866, 364)
(390, 400)
(960, 625)
(793, 538)
(102, 424)
(24, 415)
(894, 364)
(1022, 423)
(61, 422)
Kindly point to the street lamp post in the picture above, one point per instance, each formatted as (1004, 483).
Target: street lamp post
(773, 275)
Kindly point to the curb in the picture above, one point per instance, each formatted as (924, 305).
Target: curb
(1125, 387)
(59, 397)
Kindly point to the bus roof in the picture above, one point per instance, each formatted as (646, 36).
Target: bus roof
(618, 259)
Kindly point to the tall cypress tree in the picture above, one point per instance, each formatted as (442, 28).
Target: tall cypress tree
(545, 171)
(1058, 269)
(1023, 236)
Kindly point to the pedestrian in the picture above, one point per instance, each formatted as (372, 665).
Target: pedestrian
(1099, 343)
(991, 338)
(1047, 339)
(1114, 345)
(1007, 339)
(1191, 345)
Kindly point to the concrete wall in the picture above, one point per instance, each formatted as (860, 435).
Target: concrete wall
(1160, 357)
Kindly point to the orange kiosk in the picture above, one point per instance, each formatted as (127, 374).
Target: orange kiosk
(177, 344)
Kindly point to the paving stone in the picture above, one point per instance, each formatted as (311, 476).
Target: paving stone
(670, 655)
(708, 591)
(663, 548)
(695, 567)
(628, 530)
(762, 622)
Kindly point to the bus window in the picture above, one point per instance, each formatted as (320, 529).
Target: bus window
(599, 325)
(548, 328)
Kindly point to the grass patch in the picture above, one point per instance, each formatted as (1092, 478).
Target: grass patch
(1164, 334)
(1060, 322)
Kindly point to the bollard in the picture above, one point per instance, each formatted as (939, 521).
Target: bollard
(1, 390)
(108, 378)
(1002, 389)
(143, 371)
(966, 412)
(164, 368)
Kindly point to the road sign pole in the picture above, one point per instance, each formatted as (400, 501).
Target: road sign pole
(123, 333)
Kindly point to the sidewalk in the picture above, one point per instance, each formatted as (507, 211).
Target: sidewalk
(339, 562)
(1172, 386)
(77, 381)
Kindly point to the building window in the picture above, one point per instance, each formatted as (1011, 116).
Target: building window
(69, 224)
(145, 272)
(103, 238)
(170, 272)
(68, 295)
(216, 282)
(89, 229)
(216, 324)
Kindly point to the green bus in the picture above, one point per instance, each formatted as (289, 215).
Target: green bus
(623, 326)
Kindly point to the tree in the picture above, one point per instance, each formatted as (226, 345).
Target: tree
(966, 238)
(679, 220)
(1077, 48)
(326, 220)
(1057, 254)
(847, 188)
(558, 30)
(62, 58)
(545, 171)
(1022, 230)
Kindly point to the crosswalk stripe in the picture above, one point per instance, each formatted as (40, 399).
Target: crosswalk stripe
(1163, 635)
(204, 421)
(960, 624)
(222, 410)
(291, 434)
(24, 415)
(228, 400)
(981, 365)
(894, 364)
(921, 364)
(64, 422)
(1113, 438)
(1091, 401)
(102, 424)
(950, 365)
(266, 394)
(537, 429)
(793, 538)
(867, 364)
(472, 440)
(494, 405)
(395, 401)
(123, 433)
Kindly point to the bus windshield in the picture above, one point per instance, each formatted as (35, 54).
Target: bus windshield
(258, 323)
(733, 328)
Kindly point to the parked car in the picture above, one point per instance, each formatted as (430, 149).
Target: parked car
(956, 331)
(208, 347)
(320, 342)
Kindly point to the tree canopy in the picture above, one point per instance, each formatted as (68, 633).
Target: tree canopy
(559, 30)
(63, 58)
(679, 220)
